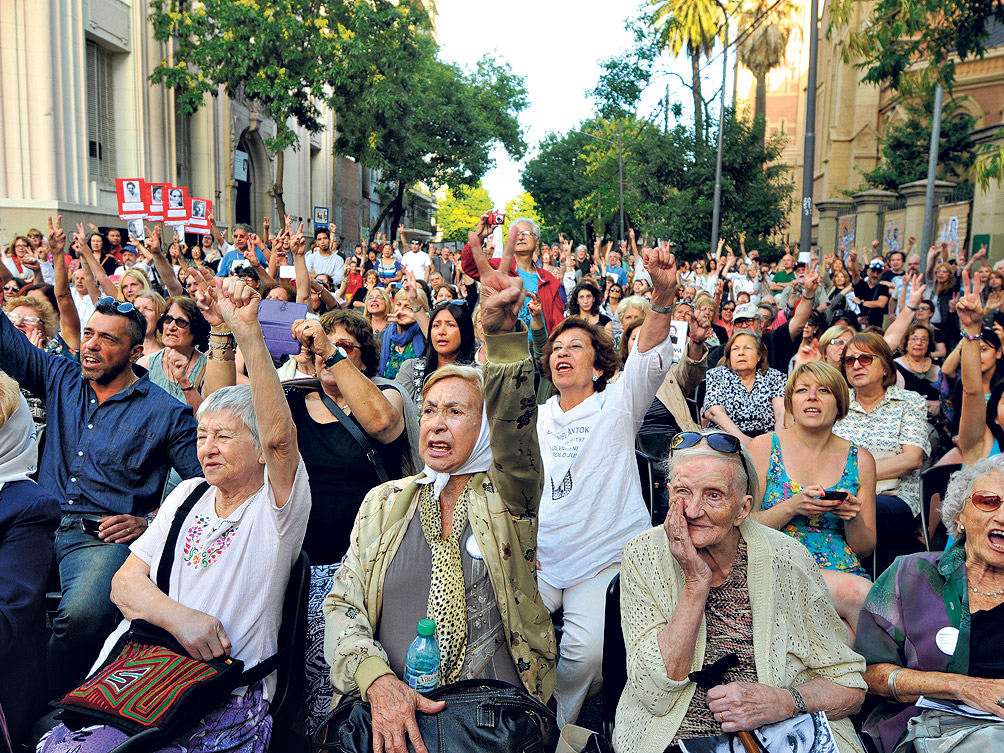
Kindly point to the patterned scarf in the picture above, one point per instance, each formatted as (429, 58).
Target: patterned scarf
(447, 593)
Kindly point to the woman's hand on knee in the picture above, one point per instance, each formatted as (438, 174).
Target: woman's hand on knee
(741, 706)
(392, 706)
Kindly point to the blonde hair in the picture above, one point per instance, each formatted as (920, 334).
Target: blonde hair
(137, 275)
(44, 309)
(827, 376)
(402, 295)
(388, 305)
(10, 397)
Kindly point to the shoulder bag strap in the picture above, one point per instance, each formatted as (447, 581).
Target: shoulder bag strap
(357, 434)
(167, 557)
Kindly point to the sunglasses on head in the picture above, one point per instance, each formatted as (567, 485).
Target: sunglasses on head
(865, 359)
(123, 307)
(986, 501)
(717, 441)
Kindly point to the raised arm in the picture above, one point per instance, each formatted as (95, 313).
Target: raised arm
(161, 264)
(251, 257)
(69, 319)
(238, 304)
(894, 335)
(661, 267)
(973, 414)
(93, 265)
(221, 369)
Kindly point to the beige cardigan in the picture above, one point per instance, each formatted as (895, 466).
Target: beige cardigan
(797, 634)
(503, 515)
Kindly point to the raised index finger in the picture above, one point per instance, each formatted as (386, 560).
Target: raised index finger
(478, 253)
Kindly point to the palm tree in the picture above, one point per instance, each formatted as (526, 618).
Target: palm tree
(694, 24)
(765, 26)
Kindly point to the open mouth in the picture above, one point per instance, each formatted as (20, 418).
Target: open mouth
(90, 361)
(812, 411)
(996, 539)
(438, 449)
(563, 367)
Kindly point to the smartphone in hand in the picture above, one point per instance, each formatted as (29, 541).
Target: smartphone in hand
(90, 527)
(837, 495)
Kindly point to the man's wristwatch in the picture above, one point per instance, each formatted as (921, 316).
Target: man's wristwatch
(335, 357)
(799, 703)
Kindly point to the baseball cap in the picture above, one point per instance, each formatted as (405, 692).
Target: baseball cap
(877, 264)
(746, 311)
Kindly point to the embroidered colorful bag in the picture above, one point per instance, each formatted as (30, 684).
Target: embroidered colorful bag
(149, 683)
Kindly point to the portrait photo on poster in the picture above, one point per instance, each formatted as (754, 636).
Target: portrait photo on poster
(129, 194)
(807, 733)
(137, 230)
(175, 199)
(157, 195)
(198, 209)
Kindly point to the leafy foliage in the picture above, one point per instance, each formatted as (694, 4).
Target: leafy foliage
(905, 144)
(669, 183)
(460, 210)
(623, 80)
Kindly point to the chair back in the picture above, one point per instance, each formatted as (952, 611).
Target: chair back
(292, 637)
(614, 656)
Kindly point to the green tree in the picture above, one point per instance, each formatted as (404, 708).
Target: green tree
(694, 25)
(460, 210)
(437, 125)
(905, 144)
(555, 177)
(283, 55)
(765, 28)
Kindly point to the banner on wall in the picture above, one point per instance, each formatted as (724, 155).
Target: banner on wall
(952, 224)
(894, 232)
(845, 233)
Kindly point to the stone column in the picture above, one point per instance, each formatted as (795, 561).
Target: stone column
(829, 211)
(869, 205)
(914, 194)
(988, 205)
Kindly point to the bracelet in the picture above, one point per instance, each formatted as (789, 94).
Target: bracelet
(969, 337)
(226, 333)
(891, 683)
(696, 342)
(661, 309)
(189, 388)
(912, 308)
(211, 357)
(799, 703)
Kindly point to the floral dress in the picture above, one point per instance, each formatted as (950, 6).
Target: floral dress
(822, 535)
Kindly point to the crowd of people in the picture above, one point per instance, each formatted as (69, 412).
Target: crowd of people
(456, 437)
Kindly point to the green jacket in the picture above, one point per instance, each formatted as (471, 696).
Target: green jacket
(503, 515)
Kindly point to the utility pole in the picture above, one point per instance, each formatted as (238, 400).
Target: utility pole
(932, 168)
(809, 148)
(665, 113)
(716, 214)
(620, 179)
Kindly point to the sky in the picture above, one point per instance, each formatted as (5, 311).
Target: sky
(557, 45)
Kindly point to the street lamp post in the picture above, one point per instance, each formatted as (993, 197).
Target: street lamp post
(809, 149)
(620, 170)
(716, 213)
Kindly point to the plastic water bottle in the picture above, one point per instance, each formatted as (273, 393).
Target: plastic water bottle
(421, 663)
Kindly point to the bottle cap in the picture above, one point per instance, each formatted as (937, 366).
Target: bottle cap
(426, 627)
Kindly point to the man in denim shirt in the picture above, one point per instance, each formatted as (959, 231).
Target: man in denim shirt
(110, 440)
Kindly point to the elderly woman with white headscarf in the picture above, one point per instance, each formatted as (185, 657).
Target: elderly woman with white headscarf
(28, 519)
(456, 543)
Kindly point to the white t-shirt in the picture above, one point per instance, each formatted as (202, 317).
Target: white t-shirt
(416, 261)
(234, 568)
(332, 265)
(85, 307)
(592, 503)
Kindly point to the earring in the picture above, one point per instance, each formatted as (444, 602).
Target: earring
(962, 528)
(595, 377)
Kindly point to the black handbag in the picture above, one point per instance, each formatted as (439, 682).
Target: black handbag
(480, 716)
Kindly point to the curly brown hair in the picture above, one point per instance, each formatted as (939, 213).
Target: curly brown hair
(604, 356)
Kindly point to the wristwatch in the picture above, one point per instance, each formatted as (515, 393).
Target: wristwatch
(799, 703)
(335, 357)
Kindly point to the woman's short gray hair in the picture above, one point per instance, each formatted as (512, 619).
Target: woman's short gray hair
(960, 486)
(747, 475)
(236, 401)
(639, 302)
(533, 225)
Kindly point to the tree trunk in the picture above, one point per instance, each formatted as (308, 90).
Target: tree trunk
(695, 66)
(398, 211)
(760, 108)
(280, 205)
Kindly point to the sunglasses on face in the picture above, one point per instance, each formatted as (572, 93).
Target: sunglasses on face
(865, 359)
(986, 501)
(454, 301)
(123, 307)
(718, 441)
(348, 345)
(176, 320)
(16, 319)
(11, 288)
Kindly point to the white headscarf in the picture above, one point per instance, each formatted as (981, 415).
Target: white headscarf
(18, 445)
(478, 462)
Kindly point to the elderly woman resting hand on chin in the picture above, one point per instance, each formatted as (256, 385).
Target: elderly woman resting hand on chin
(709, 583)
(456, 543)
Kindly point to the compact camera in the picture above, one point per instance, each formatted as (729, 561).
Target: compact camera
(496, 218)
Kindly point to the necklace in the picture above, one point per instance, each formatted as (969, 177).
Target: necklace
(994, 594)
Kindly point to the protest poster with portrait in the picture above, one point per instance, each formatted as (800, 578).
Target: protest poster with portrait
(199, 210)
(129, 192)
(154, 196)
(177, 212)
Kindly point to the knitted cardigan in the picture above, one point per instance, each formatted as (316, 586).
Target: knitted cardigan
(797, 634)
(503, 515)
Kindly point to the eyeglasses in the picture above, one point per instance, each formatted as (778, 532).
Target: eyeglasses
(918, 339)
(123, 307)
(841, 343)
(16, 319)
(34, 235)
(865, 359)
(986, 501)
(718, 441)
(177, 320)
(524, 233)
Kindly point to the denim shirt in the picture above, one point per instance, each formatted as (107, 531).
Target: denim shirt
(109, 458)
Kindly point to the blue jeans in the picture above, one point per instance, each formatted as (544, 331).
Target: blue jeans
(86, 614)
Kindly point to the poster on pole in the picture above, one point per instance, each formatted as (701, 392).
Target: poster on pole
(129, 193)
(320, 218)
